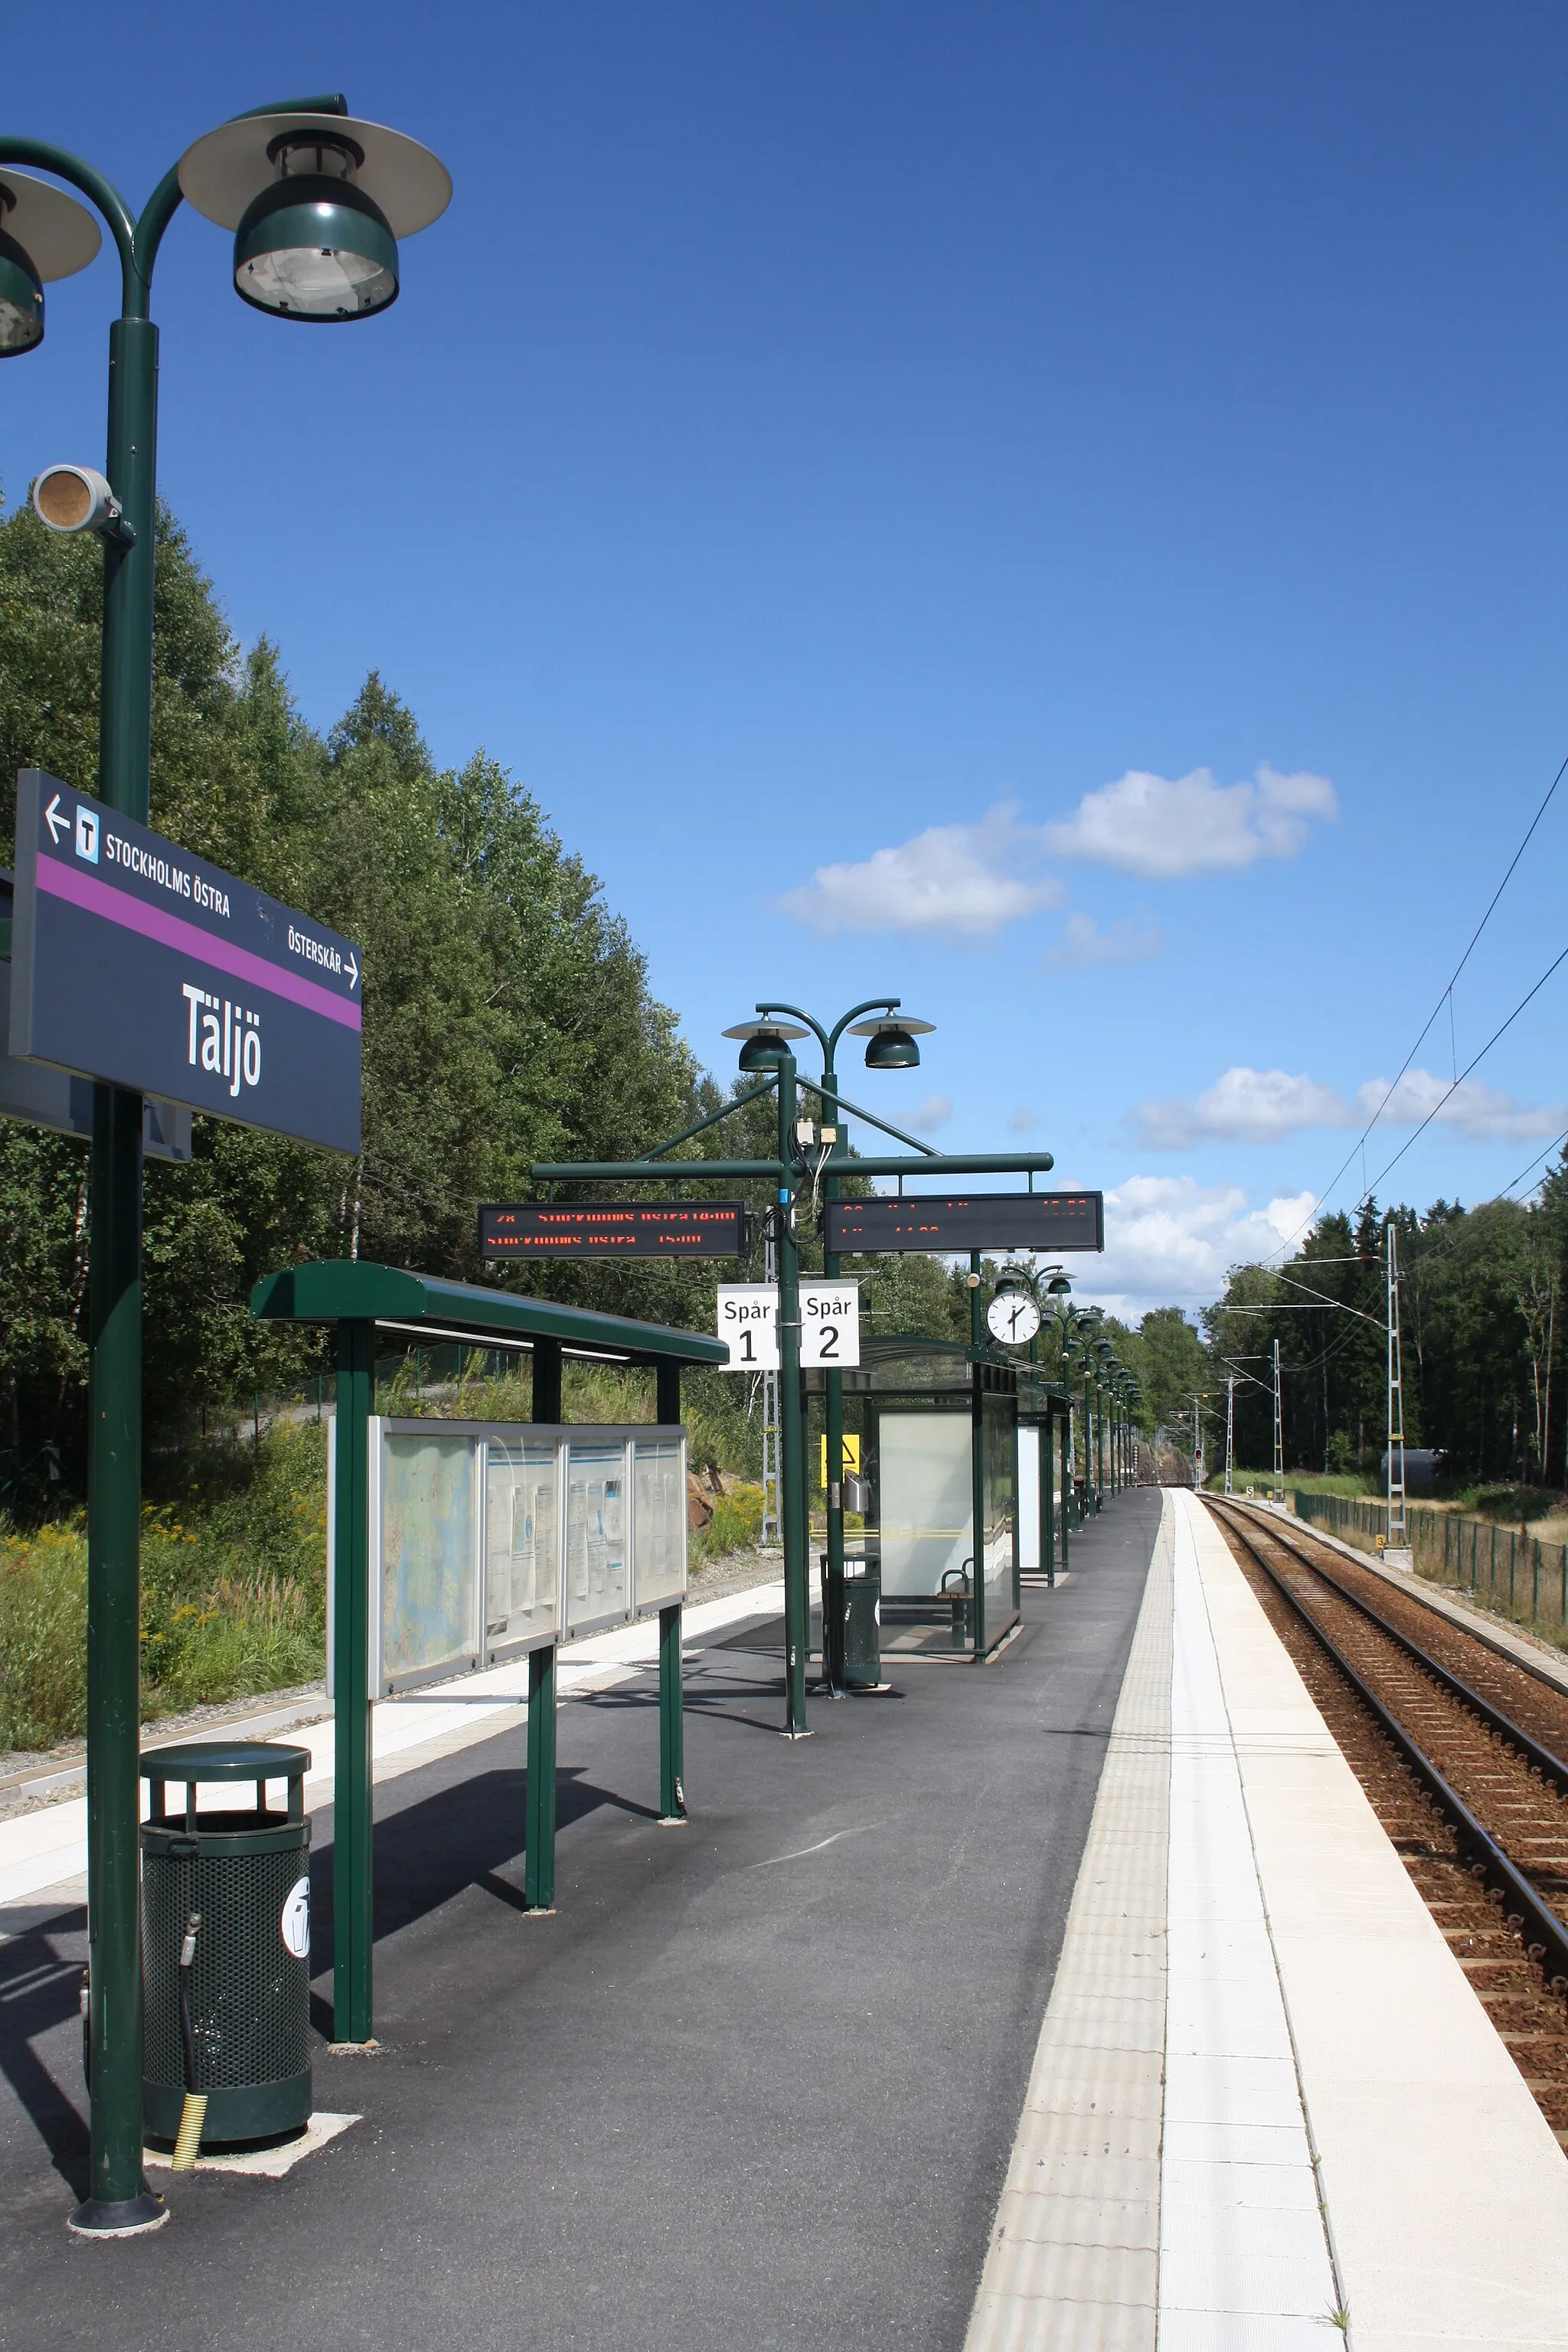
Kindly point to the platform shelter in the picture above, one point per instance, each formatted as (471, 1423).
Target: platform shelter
(937, 1427)
(366, 1303)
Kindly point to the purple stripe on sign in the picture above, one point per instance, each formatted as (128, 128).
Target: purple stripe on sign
(95, 898)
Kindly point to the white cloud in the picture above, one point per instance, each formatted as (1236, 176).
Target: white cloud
(1480, 1112)
(961, 882)
(1024, 1122)
(1264, 1105)
(1083, 944)
(1254, 1105)
(1171, 1241)
(1153, 825)
(935, 1111)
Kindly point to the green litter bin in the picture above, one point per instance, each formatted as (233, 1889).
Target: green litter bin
(246, 1872)
(862, 1634)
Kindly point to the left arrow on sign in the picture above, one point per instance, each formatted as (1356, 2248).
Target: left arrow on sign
(53, 819)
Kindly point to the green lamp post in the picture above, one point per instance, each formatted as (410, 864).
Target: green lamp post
(766, 1048)
(766, 1042)
(318, 203)
(890, 1045)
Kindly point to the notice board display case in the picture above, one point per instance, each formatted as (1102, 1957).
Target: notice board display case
(490, 1538)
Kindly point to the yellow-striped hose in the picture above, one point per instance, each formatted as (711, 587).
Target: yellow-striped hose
(192, 2115)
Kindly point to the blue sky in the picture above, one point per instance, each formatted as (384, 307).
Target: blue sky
(1055, 512)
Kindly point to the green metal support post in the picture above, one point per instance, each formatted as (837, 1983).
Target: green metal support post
(1065, 1420)
(538, 1800)
(833, 1420)
(539, 1819)
(792, 1432)
(672, 1700)
(118, 2194)
(547, 1380)
(1089, 1493)
(354, 1829)
(113, 1639)
(977, 1454)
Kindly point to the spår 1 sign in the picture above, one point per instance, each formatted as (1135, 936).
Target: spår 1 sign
(135, 962)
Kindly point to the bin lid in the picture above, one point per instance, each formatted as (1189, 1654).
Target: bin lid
(227, 1760)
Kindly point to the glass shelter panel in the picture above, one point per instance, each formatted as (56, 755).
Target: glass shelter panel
(659, 1520)
(1028, 1499)
(429, 1555)
(1000, 1497)
(522, 1542)
(596, 1580)
(926, 1500)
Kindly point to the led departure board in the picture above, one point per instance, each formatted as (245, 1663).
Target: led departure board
(969, 1220)
(614, 1229)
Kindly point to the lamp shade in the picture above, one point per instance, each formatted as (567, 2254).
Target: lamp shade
(44, 234)
(315, 247)
(765, 1050)
(318, 203)
(891, 1043)
(764, 1043)
(892, 1049)
(21, 299)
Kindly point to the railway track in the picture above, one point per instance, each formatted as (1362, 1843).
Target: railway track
(1464, 1756)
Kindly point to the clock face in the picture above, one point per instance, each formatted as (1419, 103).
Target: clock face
(1013, 1317)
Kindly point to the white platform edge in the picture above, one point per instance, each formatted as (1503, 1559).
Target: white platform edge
(1447, 2195)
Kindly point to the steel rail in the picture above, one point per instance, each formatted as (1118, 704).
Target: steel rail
(1491, 1717)
(1546, 1936)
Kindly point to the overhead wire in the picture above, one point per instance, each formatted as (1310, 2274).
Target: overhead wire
(1445, 997)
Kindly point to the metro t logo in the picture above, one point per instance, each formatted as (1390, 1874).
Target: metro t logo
(86, 834)
(230, 1048)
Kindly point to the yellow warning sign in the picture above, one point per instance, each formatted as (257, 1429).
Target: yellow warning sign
(851, 1458)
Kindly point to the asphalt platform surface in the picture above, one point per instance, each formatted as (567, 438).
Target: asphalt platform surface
(754, 2084)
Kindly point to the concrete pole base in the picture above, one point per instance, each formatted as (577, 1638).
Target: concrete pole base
(125, 2217)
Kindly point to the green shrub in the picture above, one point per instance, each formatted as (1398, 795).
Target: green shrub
(736, 1526)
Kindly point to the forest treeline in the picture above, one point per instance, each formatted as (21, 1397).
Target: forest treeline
(507, 1018)
(1482, 1344)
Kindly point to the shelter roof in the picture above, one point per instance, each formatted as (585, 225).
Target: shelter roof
(337, 1290)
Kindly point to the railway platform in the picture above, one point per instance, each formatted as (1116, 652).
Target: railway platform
(1077, 1999)
(1267, 2109)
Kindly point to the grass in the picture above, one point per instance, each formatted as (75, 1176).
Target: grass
(1336, 1481)
(232, 1591)
(234, 1552)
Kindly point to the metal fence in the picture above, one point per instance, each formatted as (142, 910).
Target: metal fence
(1513, 1573)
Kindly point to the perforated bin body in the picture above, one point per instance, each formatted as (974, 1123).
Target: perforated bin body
(250, 1982)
